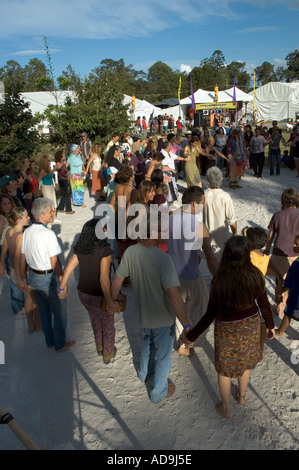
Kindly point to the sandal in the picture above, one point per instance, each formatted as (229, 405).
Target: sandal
(241, 398)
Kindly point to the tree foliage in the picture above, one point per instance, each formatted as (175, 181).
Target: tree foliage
(18, 135)
(98, 110)
(160, 83)
(292, 70)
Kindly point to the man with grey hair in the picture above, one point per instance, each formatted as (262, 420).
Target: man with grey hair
(40, 250)
(219, 212)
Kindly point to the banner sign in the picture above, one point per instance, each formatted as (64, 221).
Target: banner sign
(215, 106)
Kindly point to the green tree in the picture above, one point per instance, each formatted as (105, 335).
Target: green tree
(265, 73)
(292, 70)
(13, 77)
(36, 76)
(280, 74)
(242, 78)
(203, 77)
(69, 80)
(163, 81)
(98, 110)
(217, 60)
(18, 134)
(125, 75)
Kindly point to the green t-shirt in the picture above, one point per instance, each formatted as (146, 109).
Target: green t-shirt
(152, 272)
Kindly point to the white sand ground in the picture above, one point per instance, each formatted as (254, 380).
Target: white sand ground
(72, 400)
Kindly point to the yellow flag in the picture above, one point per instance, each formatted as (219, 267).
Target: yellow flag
(179, 90)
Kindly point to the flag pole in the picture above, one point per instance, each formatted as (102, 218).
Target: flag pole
(179, 95)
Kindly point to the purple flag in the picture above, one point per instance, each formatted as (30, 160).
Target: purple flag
(192, 94)
(234, 91)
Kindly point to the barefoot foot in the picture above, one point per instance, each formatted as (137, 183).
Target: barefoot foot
(222, 411)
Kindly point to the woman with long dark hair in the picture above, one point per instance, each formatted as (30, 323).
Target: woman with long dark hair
(93, 255)
(237, 321)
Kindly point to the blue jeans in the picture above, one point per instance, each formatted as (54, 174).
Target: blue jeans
(157, 346)
(46, 289)
(17, 298)
(275, 153)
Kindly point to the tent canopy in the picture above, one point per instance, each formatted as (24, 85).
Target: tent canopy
(277, 101)
(39, 100)
(225, 96)
(168, 103)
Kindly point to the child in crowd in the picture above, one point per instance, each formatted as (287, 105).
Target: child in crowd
(292, 284)
(258, 239)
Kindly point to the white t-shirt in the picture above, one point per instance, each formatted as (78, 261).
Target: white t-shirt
(219, 215)
(168, 159)
(39, 245)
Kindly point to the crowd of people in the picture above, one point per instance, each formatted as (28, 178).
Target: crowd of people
(173, 304)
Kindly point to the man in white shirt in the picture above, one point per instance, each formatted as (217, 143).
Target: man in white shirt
(219, 212)
(169, 167)
(40, 250)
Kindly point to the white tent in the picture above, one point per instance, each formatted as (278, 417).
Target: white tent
(144, 108)
(225, 96)
(176, 111)
(277, 101)
(39, 100)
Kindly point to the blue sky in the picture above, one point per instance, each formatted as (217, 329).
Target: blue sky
(178, 32)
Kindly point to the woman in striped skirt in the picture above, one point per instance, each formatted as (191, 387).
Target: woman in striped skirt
(76, 176)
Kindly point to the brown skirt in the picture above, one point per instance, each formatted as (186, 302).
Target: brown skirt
(237, 346)
(97, 182)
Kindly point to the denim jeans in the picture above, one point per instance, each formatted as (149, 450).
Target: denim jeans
(157, 346)
(17, 297)
(46, 289)
(275, 153)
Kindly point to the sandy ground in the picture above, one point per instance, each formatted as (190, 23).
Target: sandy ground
(73, 401)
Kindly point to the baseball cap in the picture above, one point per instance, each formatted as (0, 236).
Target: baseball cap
(6, 179)
(189, 132)
(112, 170)
(84, 134)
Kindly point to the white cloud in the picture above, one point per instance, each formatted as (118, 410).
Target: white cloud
(185, 68)
(99, 19)
(280, 62)
(258, 29)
